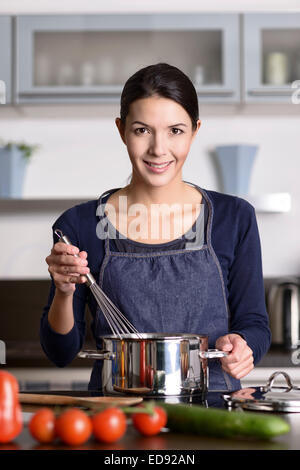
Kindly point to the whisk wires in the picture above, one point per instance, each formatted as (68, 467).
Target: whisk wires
(116, 320)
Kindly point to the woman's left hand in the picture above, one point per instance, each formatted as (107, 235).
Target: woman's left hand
(239, 361)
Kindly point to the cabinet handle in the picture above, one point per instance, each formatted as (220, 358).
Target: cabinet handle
(103, 93)
(271, 92)
(214, 92)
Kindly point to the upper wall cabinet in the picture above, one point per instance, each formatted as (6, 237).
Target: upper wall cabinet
(271, 57)
(89, 58)
(5, 59)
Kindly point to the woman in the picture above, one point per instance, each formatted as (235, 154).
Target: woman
(203, 275)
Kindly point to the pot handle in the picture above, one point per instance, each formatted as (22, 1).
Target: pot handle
(96, 354)
(212, 354)
(269, 385)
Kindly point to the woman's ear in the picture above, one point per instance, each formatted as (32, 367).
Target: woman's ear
(196, 130)
(198, 125)
(121, 129)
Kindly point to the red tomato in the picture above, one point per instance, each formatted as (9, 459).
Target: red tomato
(149, 425)
(109, 425)
(11, 421)
(42, 425)
(73, 427)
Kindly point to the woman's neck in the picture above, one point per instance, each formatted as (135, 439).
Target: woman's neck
(177, 208)
(173, 193)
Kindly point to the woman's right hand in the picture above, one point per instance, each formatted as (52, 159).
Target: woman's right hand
(66, 269)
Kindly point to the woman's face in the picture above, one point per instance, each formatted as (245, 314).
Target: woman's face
(158, 135)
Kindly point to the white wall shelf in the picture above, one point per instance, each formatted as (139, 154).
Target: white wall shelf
(270, 203)
(39, 205)
(264, 203)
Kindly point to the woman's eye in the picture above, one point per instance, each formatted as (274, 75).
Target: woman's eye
(176, 129)
(138, 129)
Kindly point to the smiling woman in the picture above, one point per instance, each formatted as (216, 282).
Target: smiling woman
(205, 278)
(162, 144)
(159, 147)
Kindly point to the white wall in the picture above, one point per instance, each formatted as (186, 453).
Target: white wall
(136, 6)
(82, 155)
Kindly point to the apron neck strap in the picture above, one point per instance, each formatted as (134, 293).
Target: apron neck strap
(210, 211)
(202, 191)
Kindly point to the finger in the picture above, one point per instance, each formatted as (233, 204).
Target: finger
(241, 369)
(223, 343)
(61, 247)
(70, 279)
(236, 358)
(76, 267)
(239, 374)
(72, 270)
(232, 358)
(233, 368)
(238, 342)
(80, 280)
(240, 352)
(77, 279)
(67, 260)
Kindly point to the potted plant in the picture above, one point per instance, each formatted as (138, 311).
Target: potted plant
(14, 157)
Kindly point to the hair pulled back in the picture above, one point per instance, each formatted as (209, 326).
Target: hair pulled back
(164, 80)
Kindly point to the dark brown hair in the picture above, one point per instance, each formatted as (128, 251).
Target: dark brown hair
(164, 80)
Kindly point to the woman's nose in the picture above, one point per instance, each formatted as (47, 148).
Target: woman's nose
(158, 146)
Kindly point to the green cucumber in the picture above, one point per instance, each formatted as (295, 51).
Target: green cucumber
(197, 419)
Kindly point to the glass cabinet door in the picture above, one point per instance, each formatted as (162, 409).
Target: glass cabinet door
(5, 59)
(89, 58)
(271, 57)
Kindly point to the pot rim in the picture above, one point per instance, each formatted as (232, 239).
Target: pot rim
(155, 336)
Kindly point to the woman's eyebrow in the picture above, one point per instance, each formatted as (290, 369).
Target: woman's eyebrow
(147, 125)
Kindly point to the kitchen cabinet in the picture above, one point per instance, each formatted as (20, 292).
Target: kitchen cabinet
(5, 59)
(88, 58)
(271, 53)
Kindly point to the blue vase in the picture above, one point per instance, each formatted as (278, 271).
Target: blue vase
(12, 172)
(235, 163)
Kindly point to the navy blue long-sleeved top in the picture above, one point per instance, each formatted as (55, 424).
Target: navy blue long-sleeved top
(235, 239)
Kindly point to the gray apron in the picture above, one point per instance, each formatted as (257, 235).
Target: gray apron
(170, 291)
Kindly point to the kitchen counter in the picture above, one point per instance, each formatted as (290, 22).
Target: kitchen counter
(30, 354)
(170, 441)
(165, 441)
(35, 372)
(279, 357)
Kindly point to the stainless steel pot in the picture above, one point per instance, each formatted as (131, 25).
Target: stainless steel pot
(155, 365)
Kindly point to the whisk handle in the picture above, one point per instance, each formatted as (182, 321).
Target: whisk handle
(90, 278)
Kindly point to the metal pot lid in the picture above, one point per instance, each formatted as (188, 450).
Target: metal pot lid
(267, 398)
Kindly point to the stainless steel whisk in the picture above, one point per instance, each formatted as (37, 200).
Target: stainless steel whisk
(118, 323)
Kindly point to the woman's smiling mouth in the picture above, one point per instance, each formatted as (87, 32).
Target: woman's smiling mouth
(158, 167)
